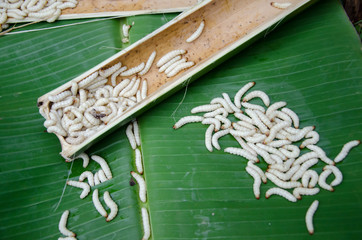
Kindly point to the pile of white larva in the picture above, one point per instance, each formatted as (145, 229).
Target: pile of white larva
(270, 133)
(88, 106)
(42, 10)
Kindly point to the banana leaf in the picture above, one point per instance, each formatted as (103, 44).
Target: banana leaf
(313, 62)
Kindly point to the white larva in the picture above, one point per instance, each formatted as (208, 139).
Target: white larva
(117, 89)
(345, 150)
(245, 125)
(88, 80)
(213, 121)
(75, 140)
(260, 94)
(301, 134)
(57, 130)
(304, 167)
(271, 150)
(91, 119)
(292, 115)
(278, 116)
(310, 178)
(226, 122)
(241, 152)
(102, 177)
(218, 111)
(272, 108)
(130, 136)
(264, 154)
(205, 108)
(280, 5)
(337, 173)
(96, 179)
(136, 133)
(245, 146)
(59, 96)
(290, 151)
(283, 167)
(63, 225)
(264, 119)
(172, 66)
(297, 192)
(238, 133)
(322, 180)
(169, 63)
(144, 89)
(66, 5)
(253, 106)
(103, 165)
(148, 63)
(216, 136)
(256, 138)
(258, 170)
(313, 138)
(244, 118)
(116, 74)
(109, 71)
(67, 238)
(281, 192)
(179, 68)
(48, 123)
(309, 216)
(264, 129)
(102, 93)
(197, 33)
(281, 183)
(112, 206)
(89, 176)
(241, 92)
(98, 83)
(305, 157)
(83, 185)
(146, 224)
(138, 161)
(74, 88)
(142, 185)
(187, 119)
(276, 158)
(125, 30)
(321, 154)
(168, 56)
(65, 103)
(279, 143)
(128, 87)
(132, 91)
(284, 176)
(257, 181)
(274, 130)
(208, 136)
(133, 70)
(98, 204)
(230, 103)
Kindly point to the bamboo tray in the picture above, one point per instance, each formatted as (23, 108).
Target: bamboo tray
(247, 19)
(122, 8)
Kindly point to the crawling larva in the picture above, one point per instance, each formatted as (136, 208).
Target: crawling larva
(133, 70)
(169, 63)
(280, 5)
(260, 94)
(197, 33)
(57, 130)
(256, 138)
(142, 184)
(310, 179)
(132, 91)
(304, 167)
(187, 119)
(297, 192)
(264, 119)
(313, 138)
(281, 183)
(271, 150)
(223, 103)
(125, 29)
(130, 136)
(127, 88)
(337, 173)
(116, 74)
(321, 154)
(281, 192)
(226, 122)
(322, 180)
(282, 166)
(305, 157)
(136, 133)
(264, 129)
(138, 161)
(264, 154)
(274, 130)
(63, 225)
(243, 126)
(96, 179)
(272, 108)
(253, 106)
(301, 134)
(104, 165)
(290, 151)
(172, 66)
(284, 176)
(241, 152)
(213, 121)
(146, 224)
(98, 204)
(88, 80)
(279, 143)
(67, 238)
(59, 96)
(208, 136)
(120, 87)
(83, 185)
(144, 89)
(179, 68)
(109, 71)
(258, 170)
(257, 181)
(89, 176)
(205, 108)
(292, 115)
(112, 206)
(216, 112)
(216, 136)
(148, 63)
(102, 177)
(309, 216)
(168, 56)
(241, 92)
(239, 133)
(245, 146)
(345, 150)
(230, 103)
(65, 103)
(244, 118)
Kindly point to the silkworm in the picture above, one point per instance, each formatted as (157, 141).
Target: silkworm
(281, 183)
(83, 185)
(96, 179)
(216, 136)
(98, 204)
(345, 150)
(280, 5)
(253, 106)
(146, 224)
(310, 178)
(179, 68)
(313, 139)
(309, 216)
(230, 103)
(187, 119)
(125, 30)
(223, 102)
(213, 121)
(284, 176)
(322, 180)
(197, 33)
(169, 63)
(63, 225)
(274, 130)
(281, 192)
(103, 165)
(260, 94)
(272, 108)
(264, 154)
(337, 173)
(138, 161)
(86, 81)
(142, 184)
(264, 119)
(321, 154)
(89, 176)
(65, 103)
(271, 150)
(172, 66)
(60, 96)
(133, 70)
(244, 118)
(238, 133)
(290, 151)
(304, 167)
(241, 152)
(218, 111)
(301, 134)
(112, 206)
(144, 89)
(297, 192)
(305, 157)
(241, 92)
(264, 129)
(208, 136)
(256, 138)
(57, 130)
(292, 115)
(257, 181)
(130, 136)
(205, 108)
(258, 170)
(149, 62)
(279, 143)
(168, 56)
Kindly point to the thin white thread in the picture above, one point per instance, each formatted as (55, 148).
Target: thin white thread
(183, 98)
(65, 186)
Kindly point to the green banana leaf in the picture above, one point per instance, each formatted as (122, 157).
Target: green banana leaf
(313, 62)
